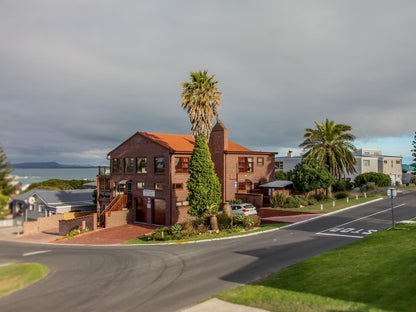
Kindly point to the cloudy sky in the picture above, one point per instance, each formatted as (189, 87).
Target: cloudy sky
(77, 78)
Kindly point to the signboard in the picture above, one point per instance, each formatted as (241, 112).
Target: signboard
(392, 192)
(149, 193)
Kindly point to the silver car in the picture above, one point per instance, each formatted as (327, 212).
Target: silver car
(247, 209)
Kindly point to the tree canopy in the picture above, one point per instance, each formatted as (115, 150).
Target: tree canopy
(309, 175)
(6, 188)
(331, 144)
(414, 148)
(201, 98)
(204, 188)
(378, 178)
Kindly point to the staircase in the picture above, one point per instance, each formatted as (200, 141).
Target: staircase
(118, 203)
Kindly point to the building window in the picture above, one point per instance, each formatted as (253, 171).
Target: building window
(129, 165)
(398, 162)
(245, 164)
(241, 186)
(158, 186)
(140, 185)
(181, 164)
(142, 165)
(279, 165)
(178, 186)
(366, 163)
(385, 161)
(159, 164)
(260, 161)
(117, 165)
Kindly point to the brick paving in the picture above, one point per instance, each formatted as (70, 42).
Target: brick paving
(116, 235)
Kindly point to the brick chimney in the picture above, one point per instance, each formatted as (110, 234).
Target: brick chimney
(218, 141)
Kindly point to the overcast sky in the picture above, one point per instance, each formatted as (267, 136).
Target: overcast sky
(77, 78)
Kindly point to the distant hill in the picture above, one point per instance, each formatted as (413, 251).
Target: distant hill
(51, 164)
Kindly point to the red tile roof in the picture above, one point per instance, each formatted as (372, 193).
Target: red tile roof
(184, 143)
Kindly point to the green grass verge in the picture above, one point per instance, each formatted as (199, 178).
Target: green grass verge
(206, 236)
(376, 273)
(328, 205)
(16, 276)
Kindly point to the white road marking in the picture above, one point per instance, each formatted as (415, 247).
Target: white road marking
(341, 225)
(342, 235)
(35, 253)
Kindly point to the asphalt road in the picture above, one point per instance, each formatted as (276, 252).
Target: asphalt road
(171, 277)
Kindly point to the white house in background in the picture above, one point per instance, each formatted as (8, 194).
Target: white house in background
(368, 160)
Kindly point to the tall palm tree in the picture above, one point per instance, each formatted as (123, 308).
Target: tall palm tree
(201, 98)
(332, 145)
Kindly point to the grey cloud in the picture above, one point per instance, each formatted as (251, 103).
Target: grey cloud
(79, 77)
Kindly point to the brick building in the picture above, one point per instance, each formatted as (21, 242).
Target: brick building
(149, 172)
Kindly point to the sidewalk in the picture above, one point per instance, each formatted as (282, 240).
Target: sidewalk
(218, 305)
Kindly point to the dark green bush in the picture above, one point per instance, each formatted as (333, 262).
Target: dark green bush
(235, 201)
(278, 200)
(161, 234)
(319, 197)
(341, 195)
(224, 221)
(312, 201)
(239, 219)
(342, 185)
(380, 179)
(302, 201)
(291, 202)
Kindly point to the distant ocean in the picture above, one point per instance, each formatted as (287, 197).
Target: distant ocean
(28, 176)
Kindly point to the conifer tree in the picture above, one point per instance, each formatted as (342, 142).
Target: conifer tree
(414, 148)
(5, 180)
(204, 188)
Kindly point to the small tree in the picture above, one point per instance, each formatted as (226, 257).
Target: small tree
(310, 175)
(6, 188)
(414, 148)
(378, 178)
(204, 188)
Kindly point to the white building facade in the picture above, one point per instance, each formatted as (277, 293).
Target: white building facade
(368, 160)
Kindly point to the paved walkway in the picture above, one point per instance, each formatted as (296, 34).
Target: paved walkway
(115, 235)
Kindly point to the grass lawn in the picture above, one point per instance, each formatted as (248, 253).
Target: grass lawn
(16, 276)
(376, 273)
(206, 236)
(339, 204)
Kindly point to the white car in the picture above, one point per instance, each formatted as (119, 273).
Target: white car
(247, 209)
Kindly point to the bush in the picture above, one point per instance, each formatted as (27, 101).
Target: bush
(161, 234)
(341, 195)
(319, 197)
(248, 223)
(278, 200)
(176, 229)
(380, 179)
(224, 221)
(302, 201)
(342, 185)
(291, 202)
(280, 175)
(235, 201)
(239, 218)
(312, 201)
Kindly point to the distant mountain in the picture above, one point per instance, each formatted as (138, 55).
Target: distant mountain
(51, 164)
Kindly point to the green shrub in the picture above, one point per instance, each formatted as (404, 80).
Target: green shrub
(341, 195)
(235, 201)
(380, 179)
(312, 201)
(319, 197)
(239, 218)
(291, 202)
(257, 220)
(280, 175)
(248, 223)
(161, 234)
(301, 200)
(342, 185)
(176, 229)
(224, 221)
(278, 200)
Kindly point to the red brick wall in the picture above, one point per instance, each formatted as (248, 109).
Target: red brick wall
(42, 224)
(66, 226)
(252, 198)
(116, 218)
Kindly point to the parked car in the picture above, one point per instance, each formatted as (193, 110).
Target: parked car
(247, 209)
